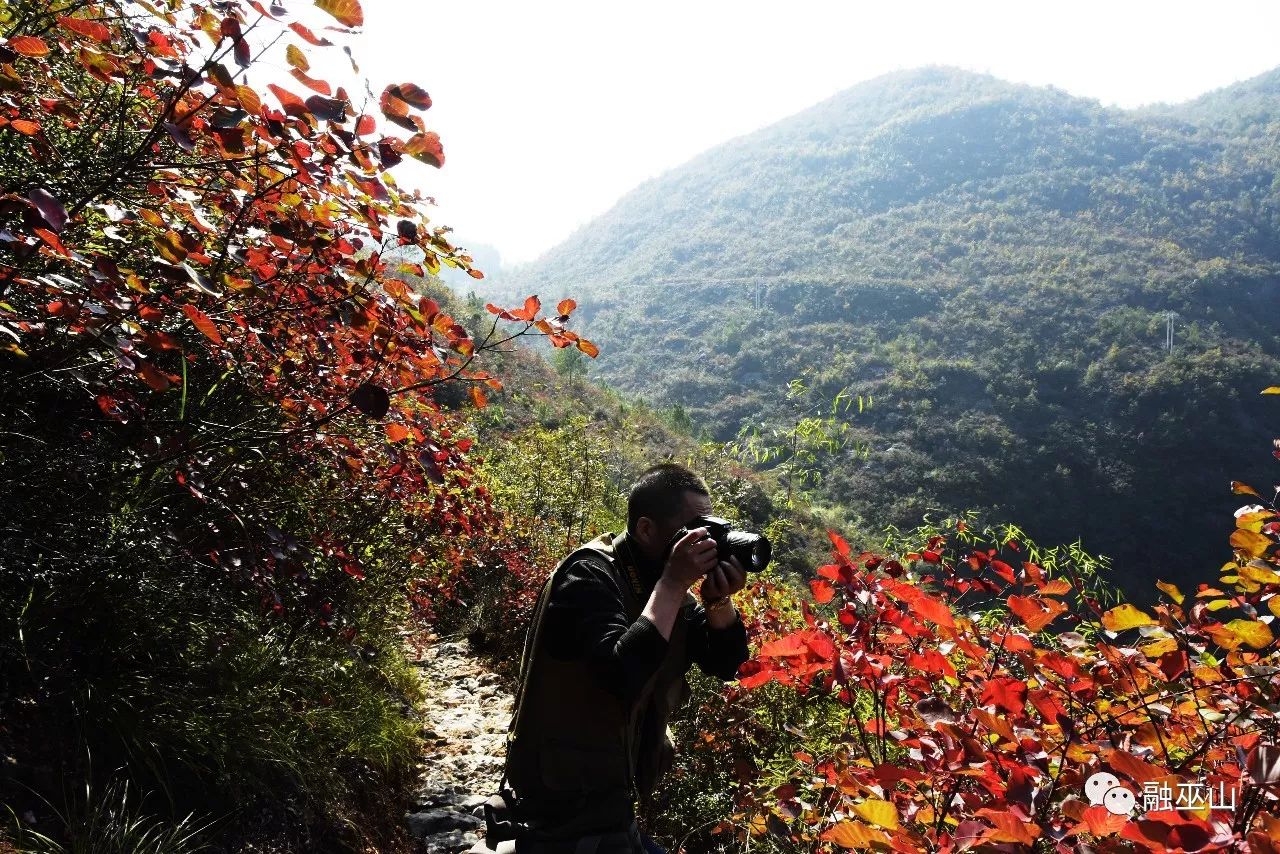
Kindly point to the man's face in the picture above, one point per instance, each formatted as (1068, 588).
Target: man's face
(654, 534)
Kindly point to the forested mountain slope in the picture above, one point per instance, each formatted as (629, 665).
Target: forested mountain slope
(995, 264)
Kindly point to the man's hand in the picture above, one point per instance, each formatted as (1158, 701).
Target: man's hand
(692, 558)
(727, 578)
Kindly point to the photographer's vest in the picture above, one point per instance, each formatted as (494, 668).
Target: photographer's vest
(574, 755)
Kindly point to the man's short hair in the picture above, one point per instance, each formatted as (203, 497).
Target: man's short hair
(659, 493)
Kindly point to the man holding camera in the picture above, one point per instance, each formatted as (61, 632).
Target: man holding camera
(614, 633)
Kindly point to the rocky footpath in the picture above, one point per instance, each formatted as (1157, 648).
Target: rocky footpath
(467, 713)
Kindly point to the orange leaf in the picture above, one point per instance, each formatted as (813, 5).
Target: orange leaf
(1036, 612)
(566, 306)
(309, 36)
(25, 127)
(312, 83)
(1243, 489)
(1134, 768)
(1010, 828)
(397, 432)
(348, 12)
(1171, 590)
(587, 347)
(203, 323)
(853, 834)
(29, 46)
(426, 147)
(1102, 822)
(477, 397)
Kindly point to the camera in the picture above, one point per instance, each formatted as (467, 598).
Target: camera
(752, 550)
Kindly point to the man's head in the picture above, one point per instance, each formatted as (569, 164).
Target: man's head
(661, 502)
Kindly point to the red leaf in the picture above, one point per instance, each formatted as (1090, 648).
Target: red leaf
(29, 46)
(411, 93)
(293, 105)
(1005, 693)
(365, 125)
(153, 377)
(93, 29)
(1003, 570)
(758, 678)
(841, 547)
(203, 323)
(1048, 704)
(565, 306)
(823, 591)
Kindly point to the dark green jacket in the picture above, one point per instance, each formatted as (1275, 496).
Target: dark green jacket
(576, 757)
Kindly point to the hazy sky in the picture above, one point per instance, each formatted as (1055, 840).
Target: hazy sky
(550, 111)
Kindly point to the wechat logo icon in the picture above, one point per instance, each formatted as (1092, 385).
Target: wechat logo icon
(1104, 789)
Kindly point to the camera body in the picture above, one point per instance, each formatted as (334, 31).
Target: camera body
(753, 551)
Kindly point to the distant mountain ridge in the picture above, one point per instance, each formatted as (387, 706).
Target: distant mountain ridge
(995, 263)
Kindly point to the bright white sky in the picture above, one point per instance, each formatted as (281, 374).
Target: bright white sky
(550, 111)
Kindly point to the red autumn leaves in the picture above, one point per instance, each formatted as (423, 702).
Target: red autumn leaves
(999, 722)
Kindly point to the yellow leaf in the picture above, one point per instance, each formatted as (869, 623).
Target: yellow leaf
(1255, 545)
(348, 12)
(880, 813)
(1171, 590)
(1258, 571)
(1125, 617)
(1255, 633)
(1254, 521)
(1274, 389)
(1159, 648)
(1274, 604)
(297, 58)
(1218, 604)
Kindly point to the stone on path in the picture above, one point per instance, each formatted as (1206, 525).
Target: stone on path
(466, 715)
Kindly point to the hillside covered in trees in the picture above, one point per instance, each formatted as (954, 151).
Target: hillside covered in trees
(995, 265)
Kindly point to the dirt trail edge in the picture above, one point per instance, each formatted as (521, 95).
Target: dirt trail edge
(466, 716)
